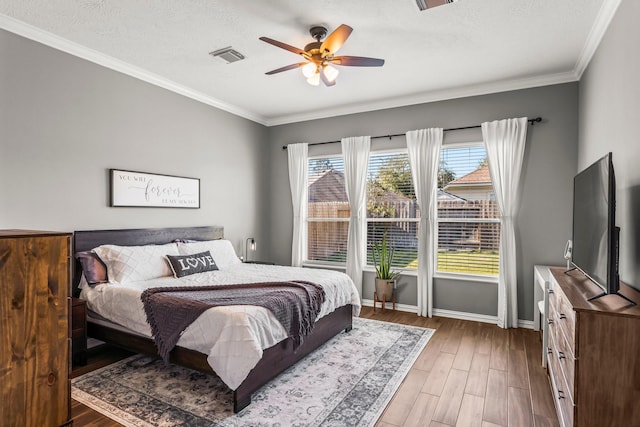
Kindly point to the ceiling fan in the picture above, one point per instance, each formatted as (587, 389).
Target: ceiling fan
(320, 55)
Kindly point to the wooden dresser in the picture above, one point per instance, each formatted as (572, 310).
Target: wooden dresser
(593, 353)
(34, 328)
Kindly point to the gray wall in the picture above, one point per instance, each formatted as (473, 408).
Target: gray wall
(65, 121)
(609, 110)
(544, 223)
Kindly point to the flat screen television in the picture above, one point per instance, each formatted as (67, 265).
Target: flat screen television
(595, 235)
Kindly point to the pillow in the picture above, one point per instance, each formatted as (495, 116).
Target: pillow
(221, 250)
(93, 268)
(183, 241)
(135, 263)
(184, 265)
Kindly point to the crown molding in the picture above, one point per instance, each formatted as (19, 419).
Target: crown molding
(603, 19)
(597, 32)
(432, 96)
(36, 34)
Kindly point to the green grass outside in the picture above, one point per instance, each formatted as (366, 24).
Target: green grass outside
(448, 261)
(485, 263)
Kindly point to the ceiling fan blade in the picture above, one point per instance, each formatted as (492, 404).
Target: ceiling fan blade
(286, 68)
(357, 61)
(283, 45)
(325, 79)
(336, 39)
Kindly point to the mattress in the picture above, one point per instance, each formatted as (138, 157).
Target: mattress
(232, 337)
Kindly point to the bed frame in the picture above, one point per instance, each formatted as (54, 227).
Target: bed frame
(274, 360)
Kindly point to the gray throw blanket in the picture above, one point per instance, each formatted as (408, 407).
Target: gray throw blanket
(170, 311)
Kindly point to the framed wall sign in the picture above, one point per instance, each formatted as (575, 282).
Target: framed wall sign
(140, 189)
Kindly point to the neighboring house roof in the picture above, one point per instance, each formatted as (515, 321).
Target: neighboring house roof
(328, 187)
(477, 177)
(448, 197)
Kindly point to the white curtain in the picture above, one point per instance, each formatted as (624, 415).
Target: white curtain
(424, 157)
(298, 164)
(505, 141)
(355, 151)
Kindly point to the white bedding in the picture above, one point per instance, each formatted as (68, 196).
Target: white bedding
(233, 337)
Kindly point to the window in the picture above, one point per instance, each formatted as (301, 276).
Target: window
(392, 210)
(468, 218)
(327, 211)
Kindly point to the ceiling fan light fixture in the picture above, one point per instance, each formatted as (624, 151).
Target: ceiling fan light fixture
(319, 56)
(314, 80)
(330, 72)
(309, 70)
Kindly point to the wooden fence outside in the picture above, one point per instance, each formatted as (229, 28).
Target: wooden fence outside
(329, 238)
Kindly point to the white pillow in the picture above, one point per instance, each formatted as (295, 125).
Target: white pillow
(135, 263)
(222, 251)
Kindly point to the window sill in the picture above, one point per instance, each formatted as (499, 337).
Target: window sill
(466, 278)
(311, 264)
(411, 273)
(343, 267)
(414, 273)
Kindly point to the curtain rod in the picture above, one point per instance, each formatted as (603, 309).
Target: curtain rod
(531, 121)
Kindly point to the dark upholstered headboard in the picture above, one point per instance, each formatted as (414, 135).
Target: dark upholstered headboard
(88, 239)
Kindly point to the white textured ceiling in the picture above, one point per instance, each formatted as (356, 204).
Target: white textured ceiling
(464, 48)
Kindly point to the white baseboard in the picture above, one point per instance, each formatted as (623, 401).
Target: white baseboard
(475, 317)
(400, 307)
(526, 324)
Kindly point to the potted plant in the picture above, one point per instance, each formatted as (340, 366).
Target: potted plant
(385, 277)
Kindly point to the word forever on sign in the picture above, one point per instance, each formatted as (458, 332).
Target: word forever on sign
(143, 189)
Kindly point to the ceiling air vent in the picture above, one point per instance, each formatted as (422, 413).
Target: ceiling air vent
(428, 4)
(228, 55)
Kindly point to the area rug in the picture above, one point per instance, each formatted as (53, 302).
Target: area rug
(346, 382)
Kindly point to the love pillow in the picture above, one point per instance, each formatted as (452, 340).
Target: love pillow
(184, 265)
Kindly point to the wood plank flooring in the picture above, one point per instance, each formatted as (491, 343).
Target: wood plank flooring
(469, 374)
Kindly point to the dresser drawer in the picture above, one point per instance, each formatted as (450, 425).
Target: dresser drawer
(565, 318)
(561, 391)
(566, 407)
(553, 299)
(566, 362)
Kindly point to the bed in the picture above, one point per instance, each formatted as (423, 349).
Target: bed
(263, 364)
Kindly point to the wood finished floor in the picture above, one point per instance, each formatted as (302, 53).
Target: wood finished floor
(469, 374)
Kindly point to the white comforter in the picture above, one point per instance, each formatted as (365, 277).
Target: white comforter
(233, 337)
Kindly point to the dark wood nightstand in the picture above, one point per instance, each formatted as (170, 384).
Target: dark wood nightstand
(78, 331)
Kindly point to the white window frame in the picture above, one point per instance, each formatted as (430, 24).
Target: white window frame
(371, 267)
(315, 263)
(468, 277)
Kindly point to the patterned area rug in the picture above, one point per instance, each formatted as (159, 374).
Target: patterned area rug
(346, 382)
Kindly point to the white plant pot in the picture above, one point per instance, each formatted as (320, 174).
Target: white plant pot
(385, 287)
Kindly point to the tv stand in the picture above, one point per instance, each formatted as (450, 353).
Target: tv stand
(592, 354)
(631, 302)
(600, 295)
